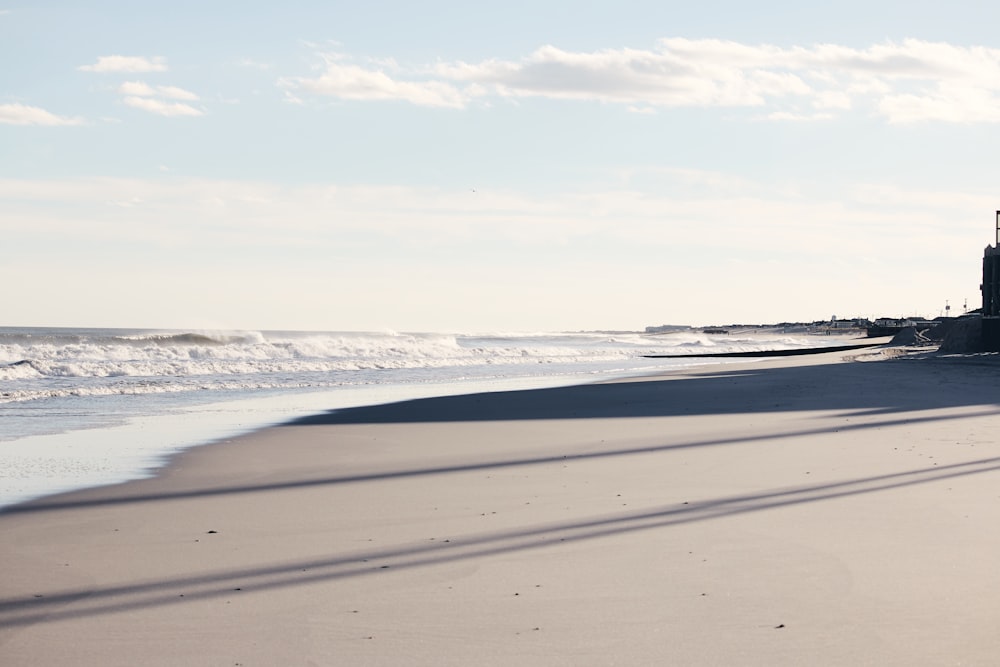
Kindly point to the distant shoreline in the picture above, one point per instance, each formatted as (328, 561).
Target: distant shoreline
(769, 353)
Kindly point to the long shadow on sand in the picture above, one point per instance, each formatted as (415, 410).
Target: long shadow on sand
(888, 389)
(869, 388)
(97, 601)
(114, 497)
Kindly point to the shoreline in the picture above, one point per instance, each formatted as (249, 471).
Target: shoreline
(801, 509)
(137, 446)
(150, 460)
(107, 435)
(118, 460)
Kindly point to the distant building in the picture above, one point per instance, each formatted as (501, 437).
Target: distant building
(990, 286)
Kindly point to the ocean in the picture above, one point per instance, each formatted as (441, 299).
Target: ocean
(87, 407)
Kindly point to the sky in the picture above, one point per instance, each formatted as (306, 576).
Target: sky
(493, 166)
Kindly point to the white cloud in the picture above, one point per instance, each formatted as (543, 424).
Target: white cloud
(175, 93)
(161, 107)
(625, 76)
(909, 81)
(129, 64)
(20, 114)
(141, 89)
(136, 88)
(952, 103)
(158, 99)
(351, 82)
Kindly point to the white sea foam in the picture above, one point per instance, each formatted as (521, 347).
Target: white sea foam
(66, 381)
(110, 362)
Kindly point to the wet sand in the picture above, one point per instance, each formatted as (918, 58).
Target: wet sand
(793, 511)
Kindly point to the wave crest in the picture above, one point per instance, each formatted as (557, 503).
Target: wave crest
(102, 360)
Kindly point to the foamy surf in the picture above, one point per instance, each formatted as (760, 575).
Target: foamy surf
(80, 407)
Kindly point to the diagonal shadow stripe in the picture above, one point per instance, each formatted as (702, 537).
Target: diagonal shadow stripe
(19, 612)
(54, 503)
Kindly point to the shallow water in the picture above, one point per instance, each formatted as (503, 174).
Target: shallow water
(86, 407)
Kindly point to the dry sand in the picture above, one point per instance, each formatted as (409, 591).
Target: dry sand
(804, 511)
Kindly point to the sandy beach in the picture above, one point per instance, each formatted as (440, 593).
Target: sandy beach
(839, 509)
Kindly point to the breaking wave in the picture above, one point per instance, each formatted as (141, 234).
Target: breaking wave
(53, 363)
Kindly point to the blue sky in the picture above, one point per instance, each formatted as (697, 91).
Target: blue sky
(515, 166)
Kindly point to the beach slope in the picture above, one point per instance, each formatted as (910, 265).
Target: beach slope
(794, 511)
